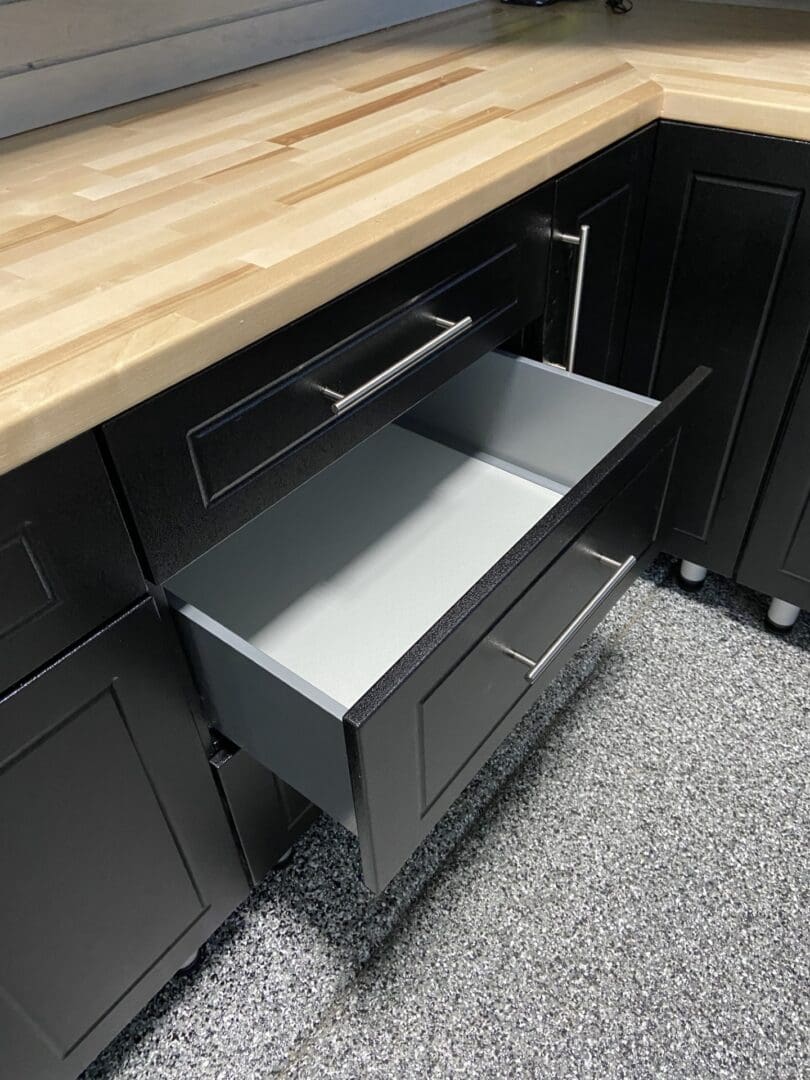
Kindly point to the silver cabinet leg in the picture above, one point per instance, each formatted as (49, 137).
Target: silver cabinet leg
(782, 615)
(692, 574)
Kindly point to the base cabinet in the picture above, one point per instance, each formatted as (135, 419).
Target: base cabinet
(121, 848)
(776, 560)
(722, 280)
(117, 859)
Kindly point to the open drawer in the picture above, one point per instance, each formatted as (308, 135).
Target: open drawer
(375, 635)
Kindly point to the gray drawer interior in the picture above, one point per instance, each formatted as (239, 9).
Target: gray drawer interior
(322, 593)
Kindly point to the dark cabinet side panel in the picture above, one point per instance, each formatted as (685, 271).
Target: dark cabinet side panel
(268, 815)
(117, 857)
(66, 561)
(776, 559)
(722, 281)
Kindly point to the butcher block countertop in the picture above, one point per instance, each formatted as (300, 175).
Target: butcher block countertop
(145, 242)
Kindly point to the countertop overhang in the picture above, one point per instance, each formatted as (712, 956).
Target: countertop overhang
(141, 244)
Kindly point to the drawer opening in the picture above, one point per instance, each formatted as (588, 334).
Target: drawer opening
(328, 588)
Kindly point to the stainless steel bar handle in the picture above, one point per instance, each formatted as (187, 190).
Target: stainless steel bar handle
(536, 668)
(581, 241)
(343, 402)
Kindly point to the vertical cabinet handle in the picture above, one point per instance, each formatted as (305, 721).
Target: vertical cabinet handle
(537, 667)
(341, 403)
(579, 240)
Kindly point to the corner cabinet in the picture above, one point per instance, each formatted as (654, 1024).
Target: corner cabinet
(776, 560)
(117, 860)
(722, 280)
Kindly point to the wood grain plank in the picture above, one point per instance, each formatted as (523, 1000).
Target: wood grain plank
(349, 116)
(535, 108)
(491, 43)
(120, 328)
(46, 226)
(380, 161)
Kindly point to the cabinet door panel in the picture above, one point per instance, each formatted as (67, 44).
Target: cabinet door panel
(608, 193)
(777, 556)
(117, 858)
(722, 281)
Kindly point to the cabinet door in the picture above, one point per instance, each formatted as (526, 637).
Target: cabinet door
(608, 194)
(776, 559)
(117, 860)
(722, 281)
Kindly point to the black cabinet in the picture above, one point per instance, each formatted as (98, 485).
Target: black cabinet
(608, 195)
(723, 281)
(776, 559)
(117, 860)
(66, 562)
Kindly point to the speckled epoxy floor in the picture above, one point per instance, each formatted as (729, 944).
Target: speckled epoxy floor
(621, 893)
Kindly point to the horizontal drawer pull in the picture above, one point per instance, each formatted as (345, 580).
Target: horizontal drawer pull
(341, 403)
(537, 667)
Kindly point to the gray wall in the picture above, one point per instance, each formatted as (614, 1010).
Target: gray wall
(61, 58)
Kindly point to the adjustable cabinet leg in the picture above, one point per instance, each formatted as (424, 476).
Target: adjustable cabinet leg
(282, 860)
(782, 615)
(692, 574)
(190, 964)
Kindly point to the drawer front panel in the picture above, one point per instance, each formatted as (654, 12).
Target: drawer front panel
(256, 433)
(467, 707)
(66, 562)
(206, 456)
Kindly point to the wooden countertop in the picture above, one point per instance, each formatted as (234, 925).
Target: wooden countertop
(145, 242)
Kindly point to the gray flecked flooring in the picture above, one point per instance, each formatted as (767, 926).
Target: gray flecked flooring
(621, 893)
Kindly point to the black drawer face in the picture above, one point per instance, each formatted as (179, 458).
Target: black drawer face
(203, 458)
(260, 431)
(467, 708)
(66, 562)
(373, 637)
